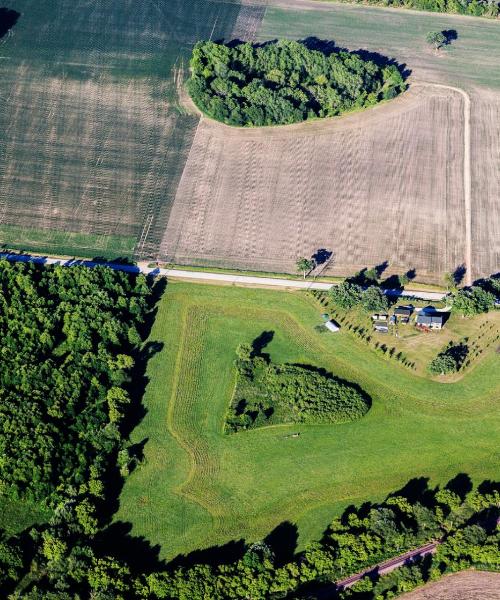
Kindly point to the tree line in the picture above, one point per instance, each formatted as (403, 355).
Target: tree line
(475, 8)
(64, 562)
(68, 339)
(284, 82)
(268, 393)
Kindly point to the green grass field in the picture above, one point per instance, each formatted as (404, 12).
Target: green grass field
(470, 60)
(198, 487)
(65, 242)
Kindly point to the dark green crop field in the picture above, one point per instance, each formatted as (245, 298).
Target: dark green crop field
(199, 487)
(93, 138)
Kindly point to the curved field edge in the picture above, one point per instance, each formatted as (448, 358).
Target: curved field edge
(199, 487)
(191, 107)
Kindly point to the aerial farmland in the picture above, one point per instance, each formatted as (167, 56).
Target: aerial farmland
(110, 160)
(249, 299)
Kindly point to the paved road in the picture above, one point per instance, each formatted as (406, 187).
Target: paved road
(238, 280)
(381, 569)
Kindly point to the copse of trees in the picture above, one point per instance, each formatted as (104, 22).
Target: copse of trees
(68, 338)
(473, 300)
(284, 82)
(449, 360)
(347, 295)
(268, 393)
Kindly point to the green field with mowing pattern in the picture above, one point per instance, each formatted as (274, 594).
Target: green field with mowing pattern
(199, 487)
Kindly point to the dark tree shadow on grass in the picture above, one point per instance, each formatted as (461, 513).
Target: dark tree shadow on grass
(416, 490)
(260, 342)
(8, 18)
(450, 36)
(283, 542)
(213, 556)
(461, 484)
(116, 540)
(136, 388)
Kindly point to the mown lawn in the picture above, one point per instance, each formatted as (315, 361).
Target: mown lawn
(198, 487)
(406, 344)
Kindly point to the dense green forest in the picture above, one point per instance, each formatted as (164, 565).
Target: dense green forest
(268, 394)
(68, 336)
(284, 82)
(476, 8)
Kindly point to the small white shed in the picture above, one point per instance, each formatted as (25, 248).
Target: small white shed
(331, 326)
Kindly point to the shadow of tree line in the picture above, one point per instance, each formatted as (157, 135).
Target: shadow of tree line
(143, 557)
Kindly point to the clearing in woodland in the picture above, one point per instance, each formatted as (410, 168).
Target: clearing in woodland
(386, 184)
(199, 487)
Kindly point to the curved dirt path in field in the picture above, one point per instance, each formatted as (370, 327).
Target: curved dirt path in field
(406, 101)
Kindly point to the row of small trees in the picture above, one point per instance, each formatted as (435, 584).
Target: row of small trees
(476, 8)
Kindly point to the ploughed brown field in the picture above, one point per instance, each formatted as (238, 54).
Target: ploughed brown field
(468, 585)
(381, 185)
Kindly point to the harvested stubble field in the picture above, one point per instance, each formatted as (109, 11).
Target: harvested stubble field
(468, 585)
(94, 141)
(385, 184)
(198, 487)
(367, 188)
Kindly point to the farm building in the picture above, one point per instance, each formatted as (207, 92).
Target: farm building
(332, 326)
(381, 326)
(430, 321)
(403, 313)
(382, 317)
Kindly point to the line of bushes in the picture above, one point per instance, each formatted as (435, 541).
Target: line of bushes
(475, 8)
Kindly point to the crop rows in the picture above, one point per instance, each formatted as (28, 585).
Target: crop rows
(382, 186)
(93, 140)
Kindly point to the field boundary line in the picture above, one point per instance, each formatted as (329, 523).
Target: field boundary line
(205, 276)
